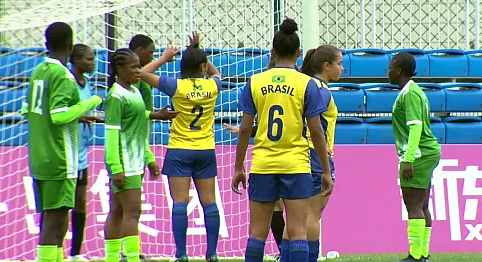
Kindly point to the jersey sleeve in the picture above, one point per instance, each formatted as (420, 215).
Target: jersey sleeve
(61, 92)
(413, 108)
(218, 83)
(113, 112)
(168, 85)
(246, 103)
(313, 97)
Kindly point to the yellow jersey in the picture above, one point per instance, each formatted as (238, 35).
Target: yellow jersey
(281, 98)
(194, 99)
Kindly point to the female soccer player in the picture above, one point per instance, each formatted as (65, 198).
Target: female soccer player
(282, 98)
(418, 151)
(144, 48)
(126, 155)
(191, 150)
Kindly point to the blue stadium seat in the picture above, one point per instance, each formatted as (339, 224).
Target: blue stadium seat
(436, 96)
(423, 63)
(28, 59)
(227, 100)
(380, 97)
(463, 130)
(162, 136)
(98, 131)
(463, 97)
(475, 62)
(156, 129)
(349, 98)
(222, 137)
(219, 58)
(350, 130)
(440, 58)
(160, 99)
(12, 95)
(101, 62)
(246, 62)
(8, 62)
(299, 61)
(369, 62)
(379, 130)
(346, 64)
(13, 134)
(438, 129)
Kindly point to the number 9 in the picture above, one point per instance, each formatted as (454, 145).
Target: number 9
(272, 120)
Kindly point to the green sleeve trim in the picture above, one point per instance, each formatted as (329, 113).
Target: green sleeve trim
(112, 157)
(149, 155)
(413, 141)
(148, 114)
(75, 111)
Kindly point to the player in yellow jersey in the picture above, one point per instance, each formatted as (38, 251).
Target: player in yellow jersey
(191, 149)
(282, 98)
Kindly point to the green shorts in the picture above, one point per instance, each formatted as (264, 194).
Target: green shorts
(422, 173)
(54, 194)
(132, 182)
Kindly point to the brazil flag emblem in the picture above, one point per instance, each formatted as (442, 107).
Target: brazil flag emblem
(278, 79)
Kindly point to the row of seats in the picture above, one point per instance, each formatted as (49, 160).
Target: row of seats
(350, 98)
(245, 62)
(349, 130)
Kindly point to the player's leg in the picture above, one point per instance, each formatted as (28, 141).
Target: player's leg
(430, 166)
(204, 175)
(78, 216)
(112, 234)
(296, 191)
(263, 193)
(178, 169)
(317, 205)
(278, 223)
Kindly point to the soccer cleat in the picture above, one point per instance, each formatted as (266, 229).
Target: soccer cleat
(426, 259)
(213, 258)
(181, 259)
(410, 258)
(142, 258)
(77, 258)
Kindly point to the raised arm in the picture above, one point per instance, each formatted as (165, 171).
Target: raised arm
(147, 72)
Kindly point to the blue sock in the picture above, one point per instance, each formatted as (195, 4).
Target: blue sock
(299, 250)
(285, 251)
(211, 220)
(179, 227)
(314, 247)
(254, 250)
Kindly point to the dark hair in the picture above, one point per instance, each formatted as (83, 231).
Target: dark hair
(59, 37)
(191, 61)
(406, 63)
(78, 51)
(316, 58)
(286, 40)
(140, 41)
(118, 59)
(271, 63)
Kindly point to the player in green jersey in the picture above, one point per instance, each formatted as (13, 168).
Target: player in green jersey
(418, 151)
(144, 48)
(126, 154)
(53, 108)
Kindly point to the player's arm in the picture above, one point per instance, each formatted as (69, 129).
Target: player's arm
(113, 115)
(147, 72)
(63, 88)
(149, 155)
(414, 115)
(246, 105)
(212, 71)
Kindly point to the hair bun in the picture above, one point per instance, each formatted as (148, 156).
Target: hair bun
(195, 45)
(288, 27)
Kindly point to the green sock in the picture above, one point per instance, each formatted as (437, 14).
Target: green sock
(132, 248)
(426, 241)
(60, 254)
(47, 253)
(416, 229)
(112, 249)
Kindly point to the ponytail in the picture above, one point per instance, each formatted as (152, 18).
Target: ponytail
(306, 66)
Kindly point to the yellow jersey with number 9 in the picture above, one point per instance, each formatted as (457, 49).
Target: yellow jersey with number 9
(282, 98)
(194, 99)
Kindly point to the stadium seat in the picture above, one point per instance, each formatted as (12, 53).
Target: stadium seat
(475, 62)
(172, 69)
(12, 95)
(98, 131)
(299, 62)
(463, 97)
(101, 63)
(160, 99)
(438, 129)
(440, 58)
(13, 134)
(380, 97)
(463, 130)
(28, 59)
(246, 62)
(379, 130)
(349, 98)
(162, 137)
(156, 129)
(8, 62)
(227, 100)
(346, 64)
(222, 137)
(350, 130)
(435, 95)
(421, 59)
(219, 58)
(369, 62)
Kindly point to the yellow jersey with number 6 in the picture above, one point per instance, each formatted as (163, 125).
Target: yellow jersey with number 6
(194, 99)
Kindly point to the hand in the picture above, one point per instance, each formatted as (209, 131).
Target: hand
(154, 170)
(170, 53)
(90, 119)
(163, 114)
(407, 171)
(231, 129)
(119, 180)
(329, 151)
(193, 38)
(327, 183)
(239, 177)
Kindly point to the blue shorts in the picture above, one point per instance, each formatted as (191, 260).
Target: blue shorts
(198, 164)
(317, 171)
(270, 188)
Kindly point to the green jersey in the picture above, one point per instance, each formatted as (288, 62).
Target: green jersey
(126, 112)
(53, 153)
(412, 108)
(146, 92)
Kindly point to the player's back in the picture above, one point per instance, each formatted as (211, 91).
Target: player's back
(53, 152)
(280, 146)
